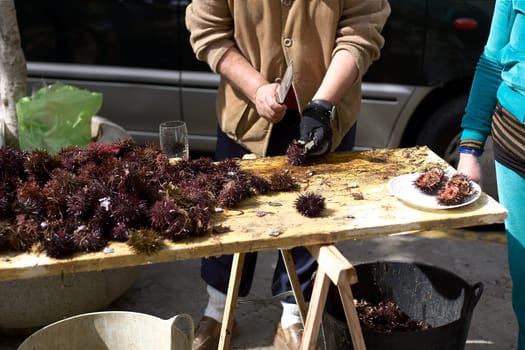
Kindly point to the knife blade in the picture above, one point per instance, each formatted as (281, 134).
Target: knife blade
(285, 83)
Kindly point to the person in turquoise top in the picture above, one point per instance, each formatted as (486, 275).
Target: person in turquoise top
(496, 106)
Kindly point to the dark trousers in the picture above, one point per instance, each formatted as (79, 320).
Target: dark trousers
(216, 270)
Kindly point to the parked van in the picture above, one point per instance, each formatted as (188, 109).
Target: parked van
(137, 54)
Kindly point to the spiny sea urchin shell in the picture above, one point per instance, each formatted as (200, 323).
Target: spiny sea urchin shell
(59, 245)
(310, 204)
(12, 163)
(283, 182)
(456, 190)
(128, 208)
(450, 195)
(463, 183)
(201, 219)
(5, 227)
(162, 213)
(259, 184)
(119, 232)
(30, 200)
(229, 166)
(6, 198)
(145, 240)
(179, 228)
(26, 232)
(39, 164)
(231, 194)
(296, 153)
(88, 240)
(431, 179)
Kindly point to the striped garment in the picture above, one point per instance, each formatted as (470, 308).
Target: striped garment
(509, 140)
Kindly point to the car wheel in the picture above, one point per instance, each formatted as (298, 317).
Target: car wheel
(441, 133)
(443, 125)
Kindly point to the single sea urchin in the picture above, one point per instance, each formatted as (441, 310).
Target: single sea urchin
(145, 240)
(296, 153)
(455, 190)
(59, 245)
(463, 183)
(431, 179)
(310, 204)
(283, 182)
(232, 193)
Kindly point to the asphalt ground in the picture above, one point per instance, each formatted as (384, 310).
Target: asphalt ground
(475, 255)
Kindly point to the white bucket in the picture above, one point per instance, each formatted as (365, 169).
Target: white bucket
(114, 330)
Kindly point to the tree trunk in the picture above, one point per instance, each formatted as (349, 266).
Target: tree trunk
(13, 72)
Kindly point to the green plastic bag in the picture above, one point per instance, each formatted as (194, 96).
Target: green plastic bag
(56, 116)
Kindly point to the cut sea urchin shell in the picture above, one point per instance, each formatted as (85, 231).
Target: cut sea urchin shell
(456, 190)
(431, 179)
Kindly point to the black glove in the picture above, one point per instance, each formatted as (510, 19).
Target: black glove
(315, 132)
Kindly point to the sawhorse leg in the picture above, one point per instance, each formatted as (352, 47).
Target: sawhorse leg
(233, 291)
(333, 267)
(294, 281)
(231, 301)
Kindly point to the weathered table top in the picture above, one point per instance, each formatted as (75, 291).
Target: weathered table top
(337, 177)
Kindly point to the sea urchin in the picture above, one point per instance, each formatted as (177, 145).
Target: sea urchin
(310, 204)
(456, 190)
(431, 179)
(296, 153)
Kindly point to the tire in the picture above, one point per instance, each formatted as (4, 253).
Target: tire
(441, 133)
(441, 129)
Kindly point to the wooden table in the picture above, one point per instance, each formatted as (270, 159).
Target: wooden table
(358, 206)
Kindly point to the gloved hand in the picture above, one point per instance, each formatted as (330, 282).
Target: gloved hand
(315, 132)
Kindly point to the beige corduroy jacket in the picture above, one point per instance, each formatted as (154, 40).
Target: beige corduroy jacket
(270, 33)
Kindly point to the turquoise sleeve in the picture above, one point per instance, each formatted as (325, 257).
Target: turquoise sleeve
(487, 77)
(482, 100)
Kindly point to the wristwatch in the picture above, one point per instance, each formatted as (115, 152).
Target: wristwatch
(325, 107)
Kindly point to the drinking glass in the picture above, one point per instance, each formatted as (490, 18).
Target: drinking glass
(2, 133)
(173, 136)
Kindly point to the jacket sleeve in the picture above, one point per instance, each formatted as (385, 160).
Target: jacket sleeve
(476, 122)
(359, 31)
(211, 30)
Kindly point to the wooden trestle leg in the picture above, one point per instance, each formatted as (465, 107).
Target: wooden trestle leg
(333, 267)
(231, 300)
(294, 281)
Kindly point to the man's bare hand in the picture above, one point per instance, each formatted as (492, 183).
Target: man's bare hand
(267, 105)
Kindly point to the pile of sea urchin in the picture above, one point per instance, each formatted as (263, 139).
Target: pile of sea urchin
(81, 198)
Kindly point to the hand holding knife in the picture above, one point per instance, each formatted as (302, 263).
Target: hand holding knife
(282, 91)
(316, 132)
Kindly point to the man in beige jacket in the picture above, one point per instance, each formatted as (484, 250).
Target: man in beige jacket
(250, 44)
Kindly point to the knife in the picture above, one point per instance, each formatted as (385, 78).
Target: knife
(285, 84)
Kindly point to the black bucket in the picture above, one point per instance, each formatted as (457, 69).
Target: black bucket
(425, 293)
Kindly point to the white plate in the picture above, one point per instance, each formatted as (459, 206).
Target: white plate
(403, 188)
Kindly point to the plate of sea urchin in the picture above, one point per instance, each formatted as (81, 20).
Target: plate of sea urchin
(435, 189)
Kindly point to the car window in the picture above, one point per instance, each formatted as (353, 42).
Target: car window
(144, 34)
